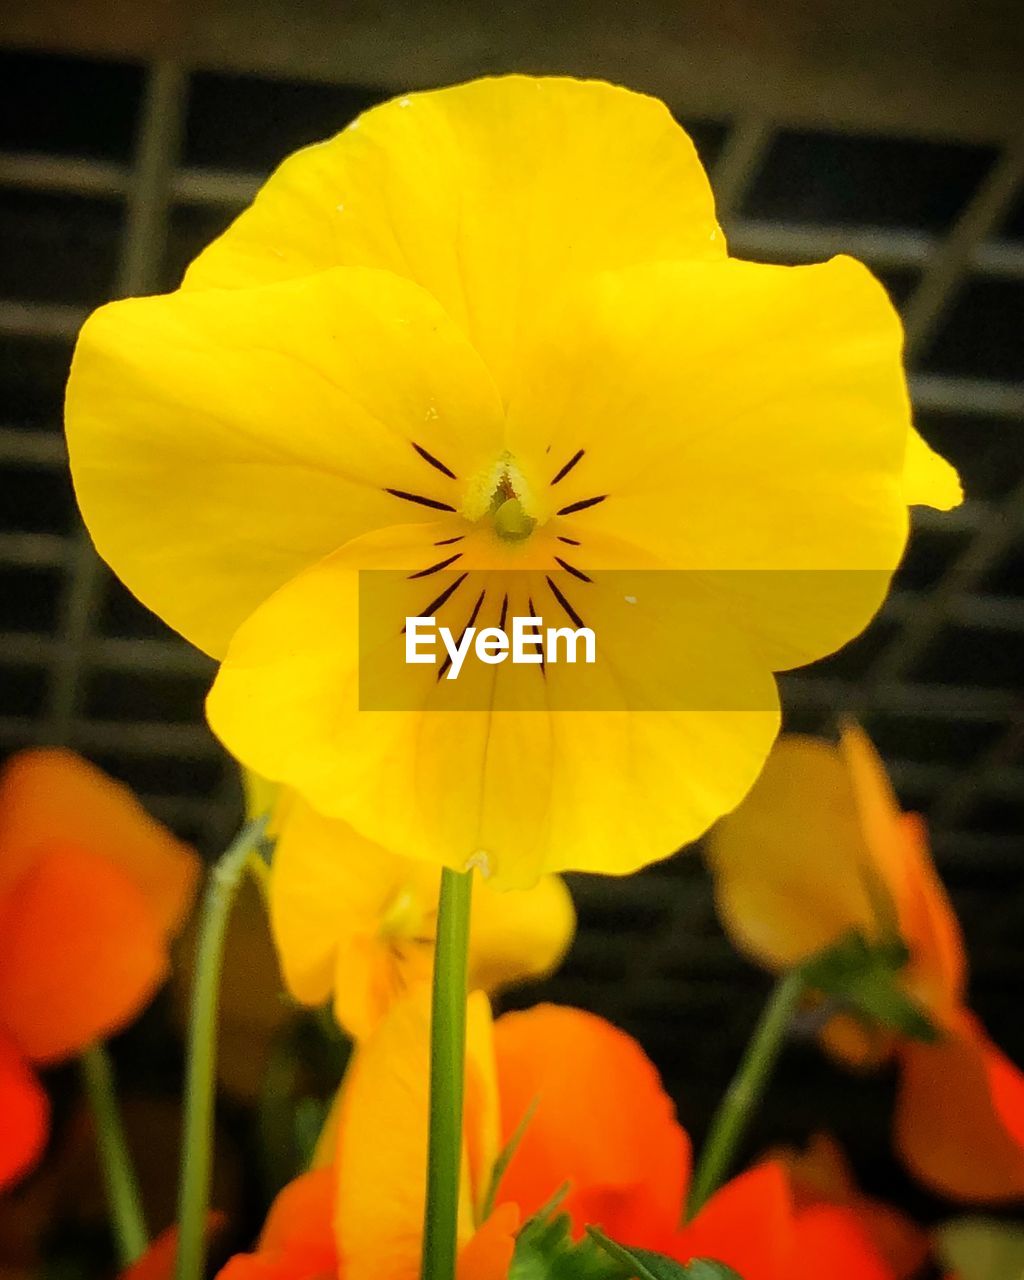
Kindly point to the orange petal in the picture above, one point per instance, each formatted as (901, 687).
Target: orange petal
(488, 1254)
(602, 1122)
(937, 970)
(959, 1122)
(301, 1216)
(26, 1113)
(157, 1263)
(831, 1242)
(297, 1242)
(80, 954)
(749, 1225)
(822, 1175)
(898, 846)
(50, 795)
(261, 1266)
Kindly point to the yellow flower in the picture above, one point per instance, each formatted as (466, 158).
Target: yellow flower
(352, 920)
(492, 333)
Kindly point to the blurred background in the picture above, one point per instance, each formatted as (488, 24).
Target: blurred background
(131, 133)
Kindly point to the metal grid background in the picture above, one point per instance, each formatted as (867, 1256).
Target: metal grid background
(112, 176)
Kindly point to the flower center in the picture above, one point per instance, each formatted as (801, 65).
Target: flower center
(500, 494)
(510, 520)
(404, 918)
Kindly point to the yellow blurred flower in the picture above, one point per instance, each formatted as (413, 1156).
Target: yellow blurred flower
(820, 848)
(493, 331)
(357, 923)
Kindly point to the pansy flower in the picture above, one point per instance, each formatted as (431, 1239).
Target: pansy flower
(489, 340)
(91, 891)
(820, 848)
(589, 1116)
(355, 923)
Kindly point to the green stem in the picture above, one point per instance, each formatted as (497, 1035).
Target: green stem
(447, 1070)
(745, 1090)
(123, 1197)
(197, 1137)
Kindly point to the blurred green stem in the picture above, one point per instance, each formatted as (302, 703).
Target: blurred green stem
(197, 1137)
(447, 1071)
(745, 1090)
(123, 1197)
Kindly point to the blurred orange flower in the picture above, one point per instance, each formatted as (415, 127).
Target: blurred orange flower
(820, 1174)
(590, 1112)
(819, 848)
(91, 890)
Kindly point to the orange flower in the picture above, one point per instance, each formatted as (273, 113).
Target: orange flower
(756, 1225)
(91, 890)
(820, 848)
(297, 1239)
(158, 1262)
(821, 1175)
(596, 1119)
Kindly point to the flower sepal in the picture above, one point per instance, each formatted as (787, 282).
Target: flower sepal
(864, 978)
(645, 1265)
(545, 1250)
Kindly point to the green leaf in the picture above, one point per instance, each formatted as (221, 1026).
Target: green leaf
(982, 1249)
(641, 1264)
(864, 977)
(505, 1158)
(545, 1250)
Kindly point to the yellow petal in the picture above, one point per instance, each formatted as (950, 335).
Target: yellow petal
(743, 420)
(788, 863)
(491, 195)
(382, 1146)
(517, 793)
(482, 1137)
(222, 441)
(352, 919)
(261, 797)
(519, 935)
(928, 479)
(329, 889)
(382, 1138)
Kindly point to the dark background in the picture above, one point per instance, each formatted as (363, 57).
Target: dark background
(130, 134)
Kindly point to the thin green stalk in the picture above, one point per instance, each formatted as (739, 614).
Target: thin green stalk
(197, 1137)
(745, 1090)
(123, 1198)
(447, 1071)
